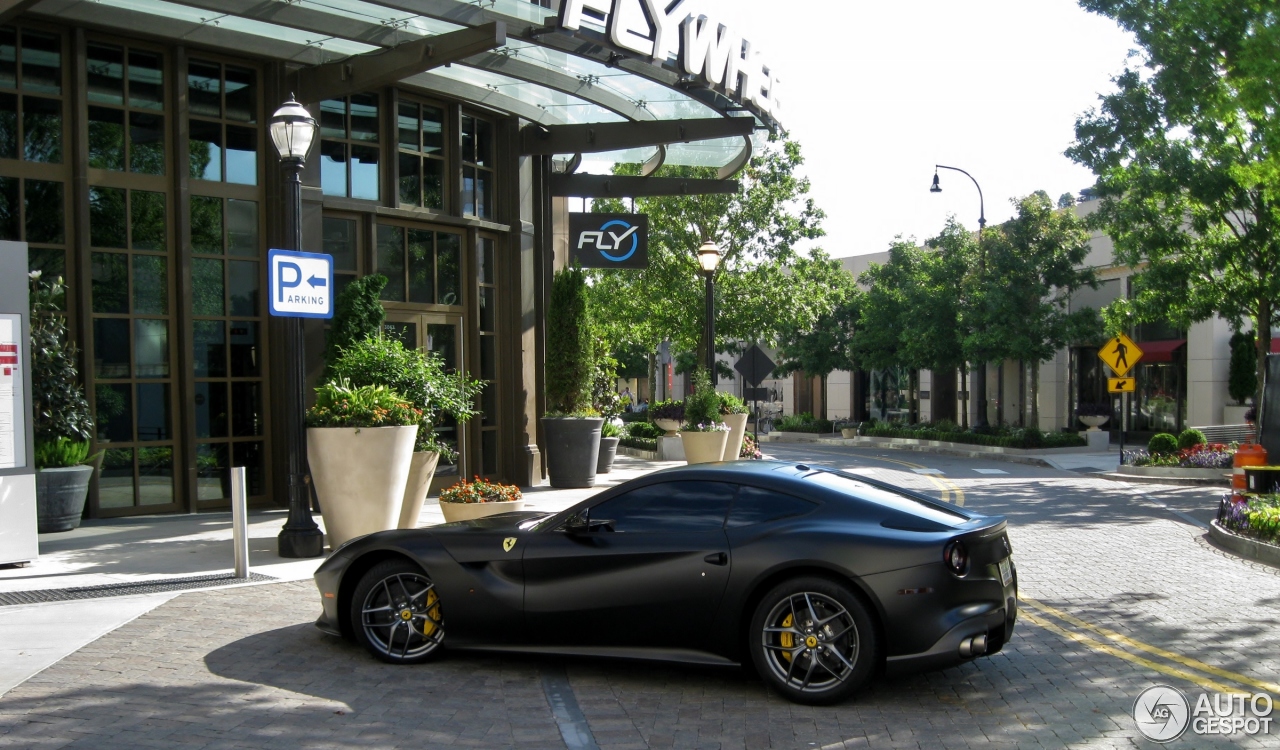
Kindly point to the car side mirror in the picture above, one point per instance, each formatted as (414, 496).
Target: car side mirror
(576, 525)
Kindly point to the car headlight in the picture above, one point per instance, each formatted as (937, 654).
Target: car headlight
(956, 557)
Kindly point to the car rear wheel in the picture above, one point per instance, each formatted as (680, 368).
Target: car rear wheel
(395, 613)
(813, 640)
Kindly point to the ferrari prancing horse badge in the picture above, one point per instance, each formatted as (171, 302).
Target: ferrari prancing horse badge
(508, 543)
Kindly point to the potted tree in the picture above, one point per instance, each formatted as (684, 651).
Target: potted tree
(733, 412)
(465, 500)
(703, 435)
(360, 446)
(59, 411)
(421, 379)
(571, 426)
(606, 400)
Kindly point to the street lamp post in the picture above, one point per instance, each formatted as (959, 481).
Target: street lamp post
(709, 260)
(978, 376)
(293, 130)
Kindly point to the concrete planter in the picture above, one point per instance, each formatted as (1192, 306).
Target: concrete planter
(1234, 414)
(422, 469)
(703, 447)
(1177, 472)
(360, 477)
(737, 428)
(468, 511)
(1094, 422)
(1244, 546)
(60, 496)
(573, 447)
(848, 432)
(672, 426)
(608, 451)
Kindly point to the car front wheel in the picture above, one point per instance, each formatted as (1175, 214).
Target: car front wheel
(395, 613)
(813, 640)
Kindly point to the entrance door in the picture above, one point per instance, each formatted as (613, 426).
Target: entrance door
(440, 333)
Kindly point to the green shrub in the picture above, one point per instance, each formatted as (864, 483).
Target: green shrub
(647, 430)
(609, 429)
(59, 409)
(946, 425)
(644, 444)
(802, 422)
(702, 407)
(570, 346)
(357, 315)
(55, 454)
(1022, 438)
(1162, 444)
(339, 404)
(1190, 438)
(731, 404)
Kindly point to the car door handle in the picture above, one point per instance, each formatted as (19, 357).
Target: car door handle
(717, 558)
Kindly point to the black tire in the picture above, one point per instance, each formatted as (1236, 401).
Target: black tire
(395, 613)
(813, 640)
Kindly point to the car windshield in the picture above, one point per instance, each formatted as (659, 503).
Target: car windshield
(887, 498)
(529, 523)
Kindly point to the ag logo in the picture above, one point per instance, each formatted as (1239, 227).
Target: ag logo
(609, 240)
(508, 543)
(1161, 713)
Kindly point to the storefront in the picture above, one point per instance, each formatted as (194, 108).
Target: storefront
(135, 162)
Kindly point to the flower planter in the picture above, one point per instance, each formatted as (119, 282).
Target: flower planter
(422, 468)
(672, 426)
(468, 511)
(360, 477)
(573, 447)
(737, 428)
(608, 451)
(848, 432)
(60, 495)
(1094, 422)
(703, 447)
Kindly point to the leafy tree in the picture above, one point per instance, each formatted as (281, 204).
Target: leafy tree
(357, 315)
(1066, 200)
(1242, 379)
(1187, 153)
(58, 407)
(827, 345)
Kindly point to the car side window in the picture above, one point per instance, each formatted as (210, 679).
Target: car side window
(757, 505)
(667, 507)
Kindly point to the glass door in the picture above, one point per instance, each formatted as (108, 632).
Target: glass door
(442, 334)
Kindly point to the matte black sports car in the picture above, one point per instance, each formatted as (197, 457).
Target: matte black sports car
(817, 576)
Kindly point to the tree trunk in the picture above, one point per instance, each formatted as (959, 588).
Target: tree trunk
(1022, 393)
(653, 378)
(1035, 394)
(964, 388)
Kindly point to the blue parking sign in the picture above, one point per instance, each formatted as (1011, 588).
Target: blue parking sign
(300, 284)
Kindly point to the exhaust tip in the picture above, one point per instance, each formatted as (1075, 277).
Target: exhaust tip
(975, 646)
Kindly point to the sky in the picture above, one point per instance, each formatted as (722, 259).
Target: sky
(877, 93)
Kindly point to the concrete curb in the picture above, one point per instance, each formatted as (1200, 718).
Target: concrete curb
(1116, 476)
(627, 450)
(939, 449)
(1175, 472)
(1243, 546)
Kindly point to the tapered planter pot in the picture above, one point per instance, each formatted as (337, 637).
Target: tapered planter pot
(672, 426)
(737, 428)
(608, 451)
(60, 495)
(573, 447)
(360, 477)
(703, 447)
(422, 468)
(468, 511)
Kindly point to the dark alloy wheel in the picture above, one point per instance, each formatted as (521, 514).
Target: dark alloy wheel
(395, 613)
(813, 640)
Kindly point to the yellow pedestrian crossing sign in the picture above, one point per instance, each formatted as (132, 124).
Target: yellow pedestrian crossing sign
(1121, 385)
(1120, 354)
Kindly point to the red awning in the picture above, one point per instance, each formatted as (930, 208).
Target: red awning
(1160, 351)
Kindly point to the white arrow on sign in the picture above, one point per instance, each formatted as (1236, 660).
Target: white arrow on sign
(300, 284)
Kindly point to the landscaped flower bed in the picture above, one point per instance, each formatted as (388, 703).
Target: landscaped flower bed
(1254, 516)
(1003, 437)
(480, 491)
(1204, 456)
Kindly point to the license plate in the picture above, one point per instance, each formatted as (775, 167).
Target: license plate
(1006, 571)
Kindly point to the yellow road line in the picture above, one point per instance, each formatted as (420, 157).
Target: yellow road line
(1155, 666)
(1186, 661)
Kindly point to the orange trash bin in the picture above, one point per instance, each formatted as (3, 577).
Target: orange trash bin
(1249, 454)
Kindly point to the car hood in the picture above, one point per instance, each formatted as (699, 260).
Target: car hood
(500, 522)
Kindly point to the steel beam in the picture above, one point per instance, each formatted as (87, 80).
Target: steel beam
(615, 186)
(9, 9)
(597, 138)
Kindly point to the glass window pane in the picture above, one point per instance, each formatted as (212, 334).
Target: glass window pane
(41, 62)
(147, 210)
(242, 94)
(242, 227)
(105, 68)
(42, 129)
(391, 261)
(340, 242)
(111, 349)
(207, 291)
(113, 411)
(364, 117)
(206, 225)
(469, 191)
(484, 143)
(468, 138)
(488, 309)
(755, 505)
(242, 155)
(151, 349)
(433, 183)
(489, 393)
(8, 126)
(405, 333)
(442, 340)
(410, 182)
(46, 219)
(333, 168)
(146, 143)
(150, 284)
(213, 471)
(146, 80)
(204, 88)
(106, 139)
(422, 266)
(10, 211)
(484, 194)
(8, 57)
(489, 452)
(253, 458)
(110, 274)
(115, 483)
(407, 126)
(364, 172)
(243, 280)
(448, 263)
(50, 262)
(245, 353)
(246, 409)
(333, 118)
(205, 146)
(107, 221)
(668, 507)
(432, 130)
(212, 411)
(484, 261)
(209, 345)
(155, 473)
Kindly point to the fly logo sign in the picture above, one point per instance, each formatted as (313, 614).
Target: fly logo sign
(301, 284)
(609, 240)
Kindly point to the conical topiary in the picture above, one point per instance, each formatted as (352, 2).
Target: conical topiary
(58, 406)
(570, 347)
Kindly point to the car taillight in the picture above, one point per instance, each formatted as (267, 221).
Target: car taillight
(956, 556)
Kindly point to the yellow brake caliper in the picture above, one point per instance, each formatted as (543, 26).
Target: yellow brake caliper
(787, 640)
(433, 609)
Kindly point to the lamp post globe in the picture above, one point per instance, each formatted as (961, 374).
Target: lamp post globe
(709, 261)
(293, 131)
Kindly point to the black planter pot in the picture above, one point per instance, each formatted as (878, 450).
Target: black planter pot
(573, 446)
(1262, 481)
(60, 495)
(608, 451)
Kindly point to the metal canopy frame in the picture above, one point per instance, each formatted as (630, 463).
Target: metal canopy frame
(616, 186)
(598, 138)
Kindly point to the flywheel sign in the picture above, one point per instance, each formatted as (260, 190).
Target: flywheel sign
(609, 240)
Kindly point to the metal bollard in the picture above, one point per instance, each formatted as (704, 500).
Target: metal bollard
(239, 521)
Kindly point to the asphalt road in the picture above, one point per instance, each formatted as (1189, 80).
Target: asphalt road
(1121, 592)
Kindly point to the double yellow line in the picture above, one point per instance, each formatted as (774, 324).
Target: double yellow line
(951, 491)
(1191, 670)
